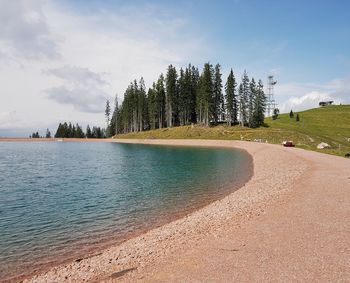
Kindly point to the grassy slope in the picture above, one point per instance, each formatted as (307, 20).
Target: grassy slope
(329, 124)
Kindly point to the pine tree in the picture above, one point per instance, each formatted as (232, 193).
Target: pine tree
(160, 101)
(183, 97)
(107, 111)
(152, 106)
(194, 88)
(35, 135)
(76, 131)
(88, 132)
(244, 96)
(79, 132)
(134, 106)
(59, 131)
(241, 104)
(218, 97)
(126, 111)
(62, 131)
(98, 133)
(205, 95)
(291, 114)
(73, 133)
(116, 114)
(65, 130)
(171, 96)
(69, 132)
(48, 134)
(251, 101)
(259, 106)
(108, 114)
(231, 99)
(132, 116)
(113, 126)
(142, 106)
(187, 95)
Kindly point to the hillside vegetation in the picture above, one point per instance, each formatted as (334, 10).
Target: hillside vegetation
(329, 124)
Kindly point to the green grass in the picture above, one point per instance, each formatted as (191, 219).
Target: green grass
(328, 124)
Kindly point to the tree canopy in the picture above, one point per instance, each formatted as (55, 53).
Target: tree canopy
(186, 96)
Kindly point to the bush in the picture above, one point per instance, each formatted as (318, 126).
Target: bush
(276, 111)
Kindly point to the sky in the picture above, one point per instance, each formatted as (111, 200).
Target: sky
(61, 60)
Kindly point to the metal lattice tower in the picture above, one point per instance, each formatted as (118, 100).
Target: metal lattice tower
(271, 103)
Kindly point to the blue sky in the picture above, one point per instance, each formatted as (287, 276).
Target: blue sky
(307, 40)
(69, 56)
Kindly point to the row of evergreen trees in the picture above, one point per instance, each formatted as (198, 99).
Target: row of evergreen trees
(36, 135)
(68, 130)
(188, 97)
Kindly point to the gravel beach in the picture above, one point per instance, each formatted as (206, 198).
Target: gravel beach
(290, 222)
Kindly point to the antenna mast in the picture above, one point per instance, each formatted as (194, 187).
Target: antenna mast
(271, 103)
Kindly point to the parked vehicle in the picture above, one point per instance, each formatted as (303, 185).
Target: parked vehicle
(288, 144)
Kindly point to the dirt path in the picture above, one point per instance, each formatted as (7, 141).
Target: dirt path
(303, 237)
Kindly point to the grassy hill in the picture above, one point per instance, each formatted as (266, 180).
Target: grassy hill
(329, 124)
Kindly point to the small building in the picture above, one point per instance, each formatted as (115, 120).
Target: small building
(325, 103)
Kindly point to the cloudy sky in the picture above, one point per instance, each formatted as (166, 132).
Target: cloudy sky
(61, 60)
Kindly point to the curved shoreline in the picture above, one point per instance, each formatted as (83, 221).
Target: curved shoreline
(277, 173)
(82, 252)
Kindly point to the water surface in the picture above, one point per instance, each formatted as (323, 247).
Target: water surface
(61, 200)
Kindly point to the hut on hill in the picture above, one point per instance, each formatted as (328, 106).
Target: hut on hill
(325, 103)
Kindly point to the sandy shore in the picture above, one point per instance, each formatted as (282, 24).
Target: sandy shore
(290, 222)
(52, 140)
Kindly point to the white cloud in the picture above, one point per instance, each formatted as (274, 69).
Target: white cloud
(81, 88)
(77, 75)
(90, 100)
(304, 96)
(24, 31)
(8, 119)
(127, 42)
(309, 100)
(58, 63)
(341, 89)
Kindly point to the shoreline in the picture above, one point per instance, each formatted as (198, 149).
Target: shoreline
(113, 240)
(54, 140)
(276, 172)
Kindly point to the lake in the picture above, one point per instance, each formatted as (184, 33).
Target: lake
(63, 200)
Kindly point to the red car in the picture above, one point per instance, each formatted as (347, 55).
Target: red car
(288, 144)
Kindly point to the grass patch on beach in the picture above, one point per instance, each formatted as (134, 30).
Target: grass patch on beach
(329, 124)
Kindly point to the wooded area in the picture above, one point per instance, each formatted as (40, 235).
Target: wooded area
(188, 97)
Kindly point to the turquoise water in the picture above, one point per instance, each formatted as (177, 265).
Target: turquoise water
(61, 200)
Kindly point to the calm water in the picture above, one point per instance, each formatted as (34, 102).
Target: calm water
(61, 200)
